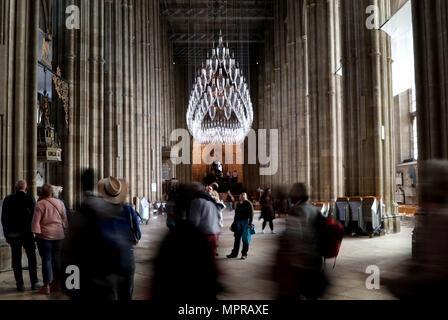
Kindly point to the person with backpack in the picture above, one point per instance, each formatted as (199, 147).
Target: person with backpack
(299, 271)
(185, 267)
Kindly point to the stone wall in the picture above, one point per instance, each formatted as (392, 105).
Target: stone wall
(18, 94)
(407, 190)
(119, 65)
(301, 95)
(369, 144)
(404, 135)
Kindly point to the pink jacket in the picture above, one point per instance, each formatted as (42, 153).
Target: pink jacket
(49, 220)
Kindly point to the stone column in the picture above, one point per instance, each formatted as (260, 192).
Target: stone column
(31, 101)
(431, 69)
(64, 51)
(183, 171)
(19, 42)
(19, 89)
(324, 112)
(283, 89)
(368, 112)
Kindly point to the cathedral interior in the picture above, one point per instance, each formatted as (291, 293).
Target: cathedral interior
(346, 96)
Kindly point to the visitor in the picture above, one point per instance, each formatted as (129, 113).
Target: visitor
(93, 245)
(17, 215)
(204, 214)
(123, 233)
(230, 200)
(298, 269)
(267, 210)
(425, 274)
(242, 226)
(185, 268)
(49, 224)
(170, 208)
(282, 202)
(234, 177)
(214, 192)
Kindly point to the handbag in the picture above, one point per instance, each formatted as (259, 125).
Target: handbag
(60, 215)
(253, 231)
(135, 235)
(233, 227)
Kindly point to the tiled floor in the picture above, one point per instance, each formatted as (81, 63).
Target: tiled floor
(251, 279)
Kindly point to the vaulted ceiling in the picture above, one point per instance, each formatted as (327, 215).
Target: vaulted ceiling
(195, 24)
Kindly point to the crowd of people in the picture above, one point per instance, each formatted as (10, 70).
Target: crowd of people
(99, 239)
(100, 236)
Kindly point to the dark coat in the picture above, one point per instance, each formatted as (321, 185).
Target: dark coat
(95, 248)
(17, 214)
(267, 209)
(298, 269)
(184, 268)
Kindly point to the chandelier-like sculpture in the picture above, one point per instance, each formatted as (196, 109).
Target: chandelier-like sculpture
(220, 108)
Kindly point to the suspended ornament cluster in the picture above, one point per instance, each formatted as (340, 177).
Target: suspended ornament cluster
(220, 108)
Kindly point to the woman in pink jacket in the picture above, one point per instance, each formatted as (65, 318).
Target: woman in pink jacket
(49, 223)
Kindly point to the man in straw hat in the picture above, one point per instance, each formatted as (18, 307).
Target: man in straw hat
(94, 243)
(126, 234)
(113, 190)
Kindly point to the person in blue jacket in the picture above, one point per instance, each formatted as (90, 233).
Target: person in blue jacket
(123, 233)
(242, 226)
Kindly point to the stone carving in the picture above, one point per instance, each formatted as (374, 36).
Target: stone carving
(48, 146)
(62, 90)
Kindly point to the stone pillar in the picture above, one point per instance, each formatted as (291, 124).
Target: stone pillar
(431, 68)
(19, 42)
(368, 106)
(19, 89)
(65, 56)
(31, 102)
(183, 171)
(325, 111)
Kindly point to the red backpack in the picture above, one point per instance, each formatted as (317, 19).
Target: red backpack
(332, 233)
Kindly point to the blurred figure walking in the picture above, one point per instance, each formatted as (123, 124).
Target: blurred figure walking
(123, 233)
(17, 215)
(242, 226)
(230, 199)
(426, 275)
(267, 210)
(93, 245)
(282, 203)
(49, 224)
(185, 267)
(299, 261)
(204, 214)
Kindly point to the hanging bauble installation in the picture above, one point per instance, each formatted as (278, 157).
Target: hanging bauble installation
(220, 108)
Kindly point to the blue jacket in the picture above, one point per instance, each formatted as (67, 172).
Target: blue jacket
(243, 225)
(132, 224)
(119, 231)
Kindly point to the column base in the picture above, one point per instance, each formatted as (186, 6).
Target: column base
(392, 224)
(5, 256)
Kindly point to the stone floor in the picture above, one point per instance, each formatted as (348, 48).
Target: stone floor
(251, 279)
